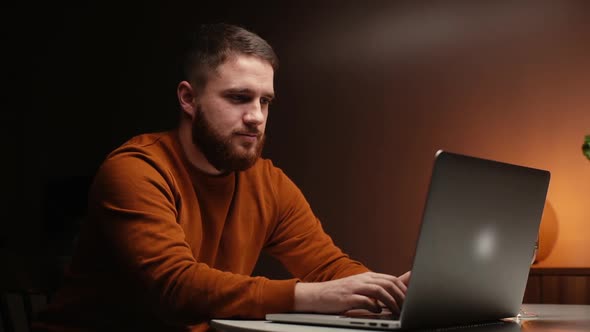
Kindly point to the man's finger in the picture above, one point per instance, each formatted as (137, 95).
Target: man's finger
(364, 302)
(405, 278)
(401, 287)
(390, 278)
(381, 294)
(395, 288)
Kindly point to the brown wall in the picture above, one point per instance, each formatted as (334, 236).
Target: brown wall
(367, 92)
(378, 90)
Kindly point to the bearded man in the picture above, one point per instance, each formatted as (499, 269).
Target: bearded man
(178, 219)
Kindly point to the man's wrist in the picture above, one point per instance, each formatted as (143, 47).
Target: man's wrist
(305, 296)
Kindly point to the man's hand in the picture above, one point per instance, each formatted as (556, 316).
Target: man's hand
(405, 278)
(363, 291)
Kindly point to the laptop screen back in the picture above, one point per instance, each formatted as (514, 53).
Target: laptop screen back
(477, 237)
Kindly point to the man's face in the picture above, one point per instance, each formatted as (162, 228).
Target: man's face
(232, 108)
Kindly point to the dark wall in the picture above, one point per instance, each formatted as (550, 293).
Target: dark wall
(367, 92)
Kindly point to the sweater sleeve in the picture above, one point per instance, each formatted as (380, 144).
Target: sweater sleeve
(134, 207)
(299, 242)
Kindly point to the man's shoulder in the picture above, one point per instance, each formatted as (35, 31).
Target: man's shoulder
(147, 141)
(149, 145)
(143, 153)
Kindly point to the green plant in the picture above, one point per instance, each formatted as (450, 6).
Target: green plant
(586, 147)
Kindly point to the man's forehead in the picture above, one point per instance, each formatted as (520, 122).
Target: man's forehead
(245, 73)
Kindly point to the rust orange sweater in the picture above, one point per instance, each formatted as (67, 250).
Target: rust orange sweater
(167, 247)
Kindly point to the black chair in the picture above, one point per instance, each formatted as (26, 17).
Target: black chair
(28, 281)
(28, 284)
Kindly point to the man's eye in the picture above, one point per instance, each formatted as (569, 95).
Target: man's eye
(265, 101)
(239, 99)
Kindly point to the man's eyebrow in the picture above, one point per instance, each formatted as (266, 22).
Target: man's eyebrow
(270, 95)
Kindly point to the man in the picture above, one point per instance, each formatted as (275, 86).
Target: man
(177, 220)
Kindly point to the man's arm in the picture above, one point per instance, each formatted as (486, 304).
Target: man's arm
(332, 281)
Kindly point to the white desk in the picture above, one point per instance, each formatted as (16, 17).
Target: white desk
(550, 317)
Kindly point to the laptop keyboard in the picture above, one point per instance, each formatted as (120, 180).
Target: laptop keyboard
(361, 313)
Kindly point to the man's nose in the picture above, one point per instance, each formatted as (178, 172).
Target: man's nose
(254, 114)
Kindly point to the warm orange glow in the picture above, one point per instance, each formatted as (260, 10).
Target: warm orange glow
(547, 233)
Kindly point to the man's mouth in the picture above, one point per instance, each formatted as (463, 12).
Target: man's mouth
(256, 134)
(249, 137)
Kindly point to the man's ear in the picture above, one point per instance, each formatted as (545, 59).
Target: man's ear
(187, 98)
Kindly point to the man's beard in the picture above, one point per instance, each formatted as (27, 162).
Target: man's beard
(219, 150)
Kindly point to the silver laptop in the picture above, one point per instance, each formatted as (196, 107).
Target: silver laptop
(473, 255)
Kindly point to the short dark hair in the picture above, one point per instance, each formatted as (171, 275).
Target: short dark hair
(212, 44)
